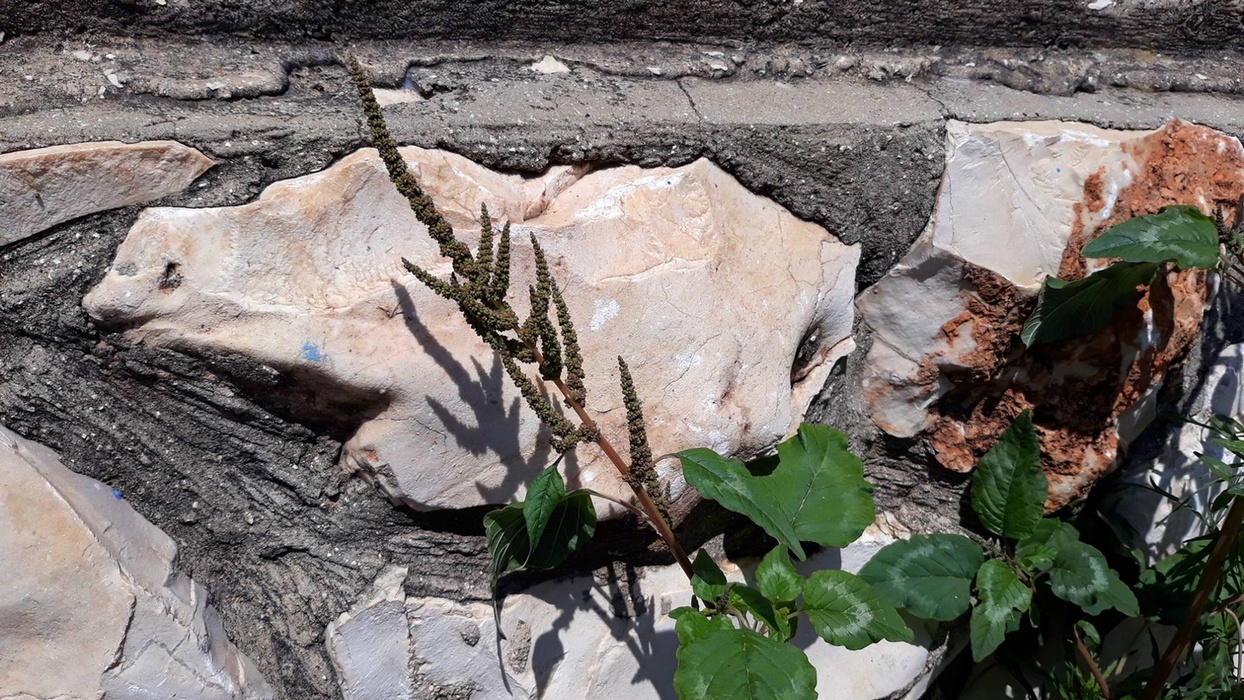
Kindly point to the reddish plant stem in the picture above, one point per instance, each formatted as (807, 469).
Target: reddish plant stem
(650, 509)
(1200, 598)
(1092, 665)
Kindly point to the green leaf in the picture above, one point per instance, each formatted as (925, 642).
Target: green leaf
(708, 583)
(1003, 598)
(1074, 309)
(754, 602)
(692, 625)
(737, 663)
(845, 611)
(543, 495)
(505, 528)
(1009, 487)
(928, 575)
(1180, 233)
(1035, 553)
(776, 576)
(569, 526)
(1080, 575)
(814, 490)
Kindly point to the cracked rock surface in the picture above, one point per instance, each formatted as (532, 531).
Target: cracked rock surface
(42, 187)
(731, 311)
(1017, 204)
(92, 603)
(607, 636)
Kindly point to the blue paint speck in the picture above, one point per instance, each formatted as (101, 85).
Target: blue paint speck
(1058, 170)
(116, 493)
(310, 351)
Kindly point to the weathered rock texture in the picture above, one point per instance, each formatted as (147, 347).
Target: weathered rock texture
(1018, 202)
(608, 637)
(1150, 24)
(92, 603)
(43, 187)
(730, 311)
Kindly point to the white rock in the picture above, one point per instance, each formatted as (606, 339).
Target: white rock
(548, 65)
(1162, 528)
(43, 187)
(1017, 203)
(708, 290)
(92, 604)
(370, 645)
(386, 97)
(566, 639)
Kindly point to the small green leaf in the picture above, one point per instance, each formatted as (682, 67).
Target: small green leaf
(754, 602)
(1009, 487)
(692, 625)
(845, 611)
(1035, 553)
(543, 495)
(570, 525)
(1080, 575)
(708, 583)
(928, 575)
(1003, 598)
(505, 528)
(776, 576)
(737, 663)
(814, 490)
(1180, 233)
(1083, 307)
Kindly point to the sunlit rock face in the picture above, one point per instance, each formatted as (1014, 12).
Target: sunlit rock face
(583, 637)
(729, 310)
(1161, 524)
(92, 604)
(43, 187)
(1018, 202)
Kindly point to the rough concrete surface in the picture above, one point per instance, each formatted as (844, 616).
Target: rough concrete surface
(1173, 24)
(851, 138)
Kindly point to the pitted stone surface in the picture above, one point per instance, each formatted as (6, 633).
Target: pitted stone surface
(1017, 203)
(42, 187)
(92, 604)
(730, 311)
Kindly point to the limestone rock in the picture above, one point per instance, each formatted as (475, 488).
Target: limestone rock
(43, 187)
(92, 603)
(729, 310)
(587, 637)
(1161, 527)
(1018, 202)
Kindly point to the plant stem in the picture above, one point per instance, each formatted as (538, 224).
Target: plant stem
(650, 509)
(1092, 665)
(1200, 598)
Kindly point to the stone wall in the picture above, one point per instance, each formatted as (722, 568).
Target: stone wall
(202, 314)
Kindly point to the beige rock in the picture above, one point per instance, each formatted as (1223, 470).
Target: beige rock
(92, 605)
(47, 186)
(1018, 202)
(729, 310)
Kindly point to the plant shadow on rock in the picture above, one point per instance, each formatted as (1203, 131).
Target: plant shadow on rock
(497, 427)
(630, 617)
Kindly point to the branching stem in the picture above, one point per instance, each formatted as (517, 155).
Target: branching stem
(655, 518)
